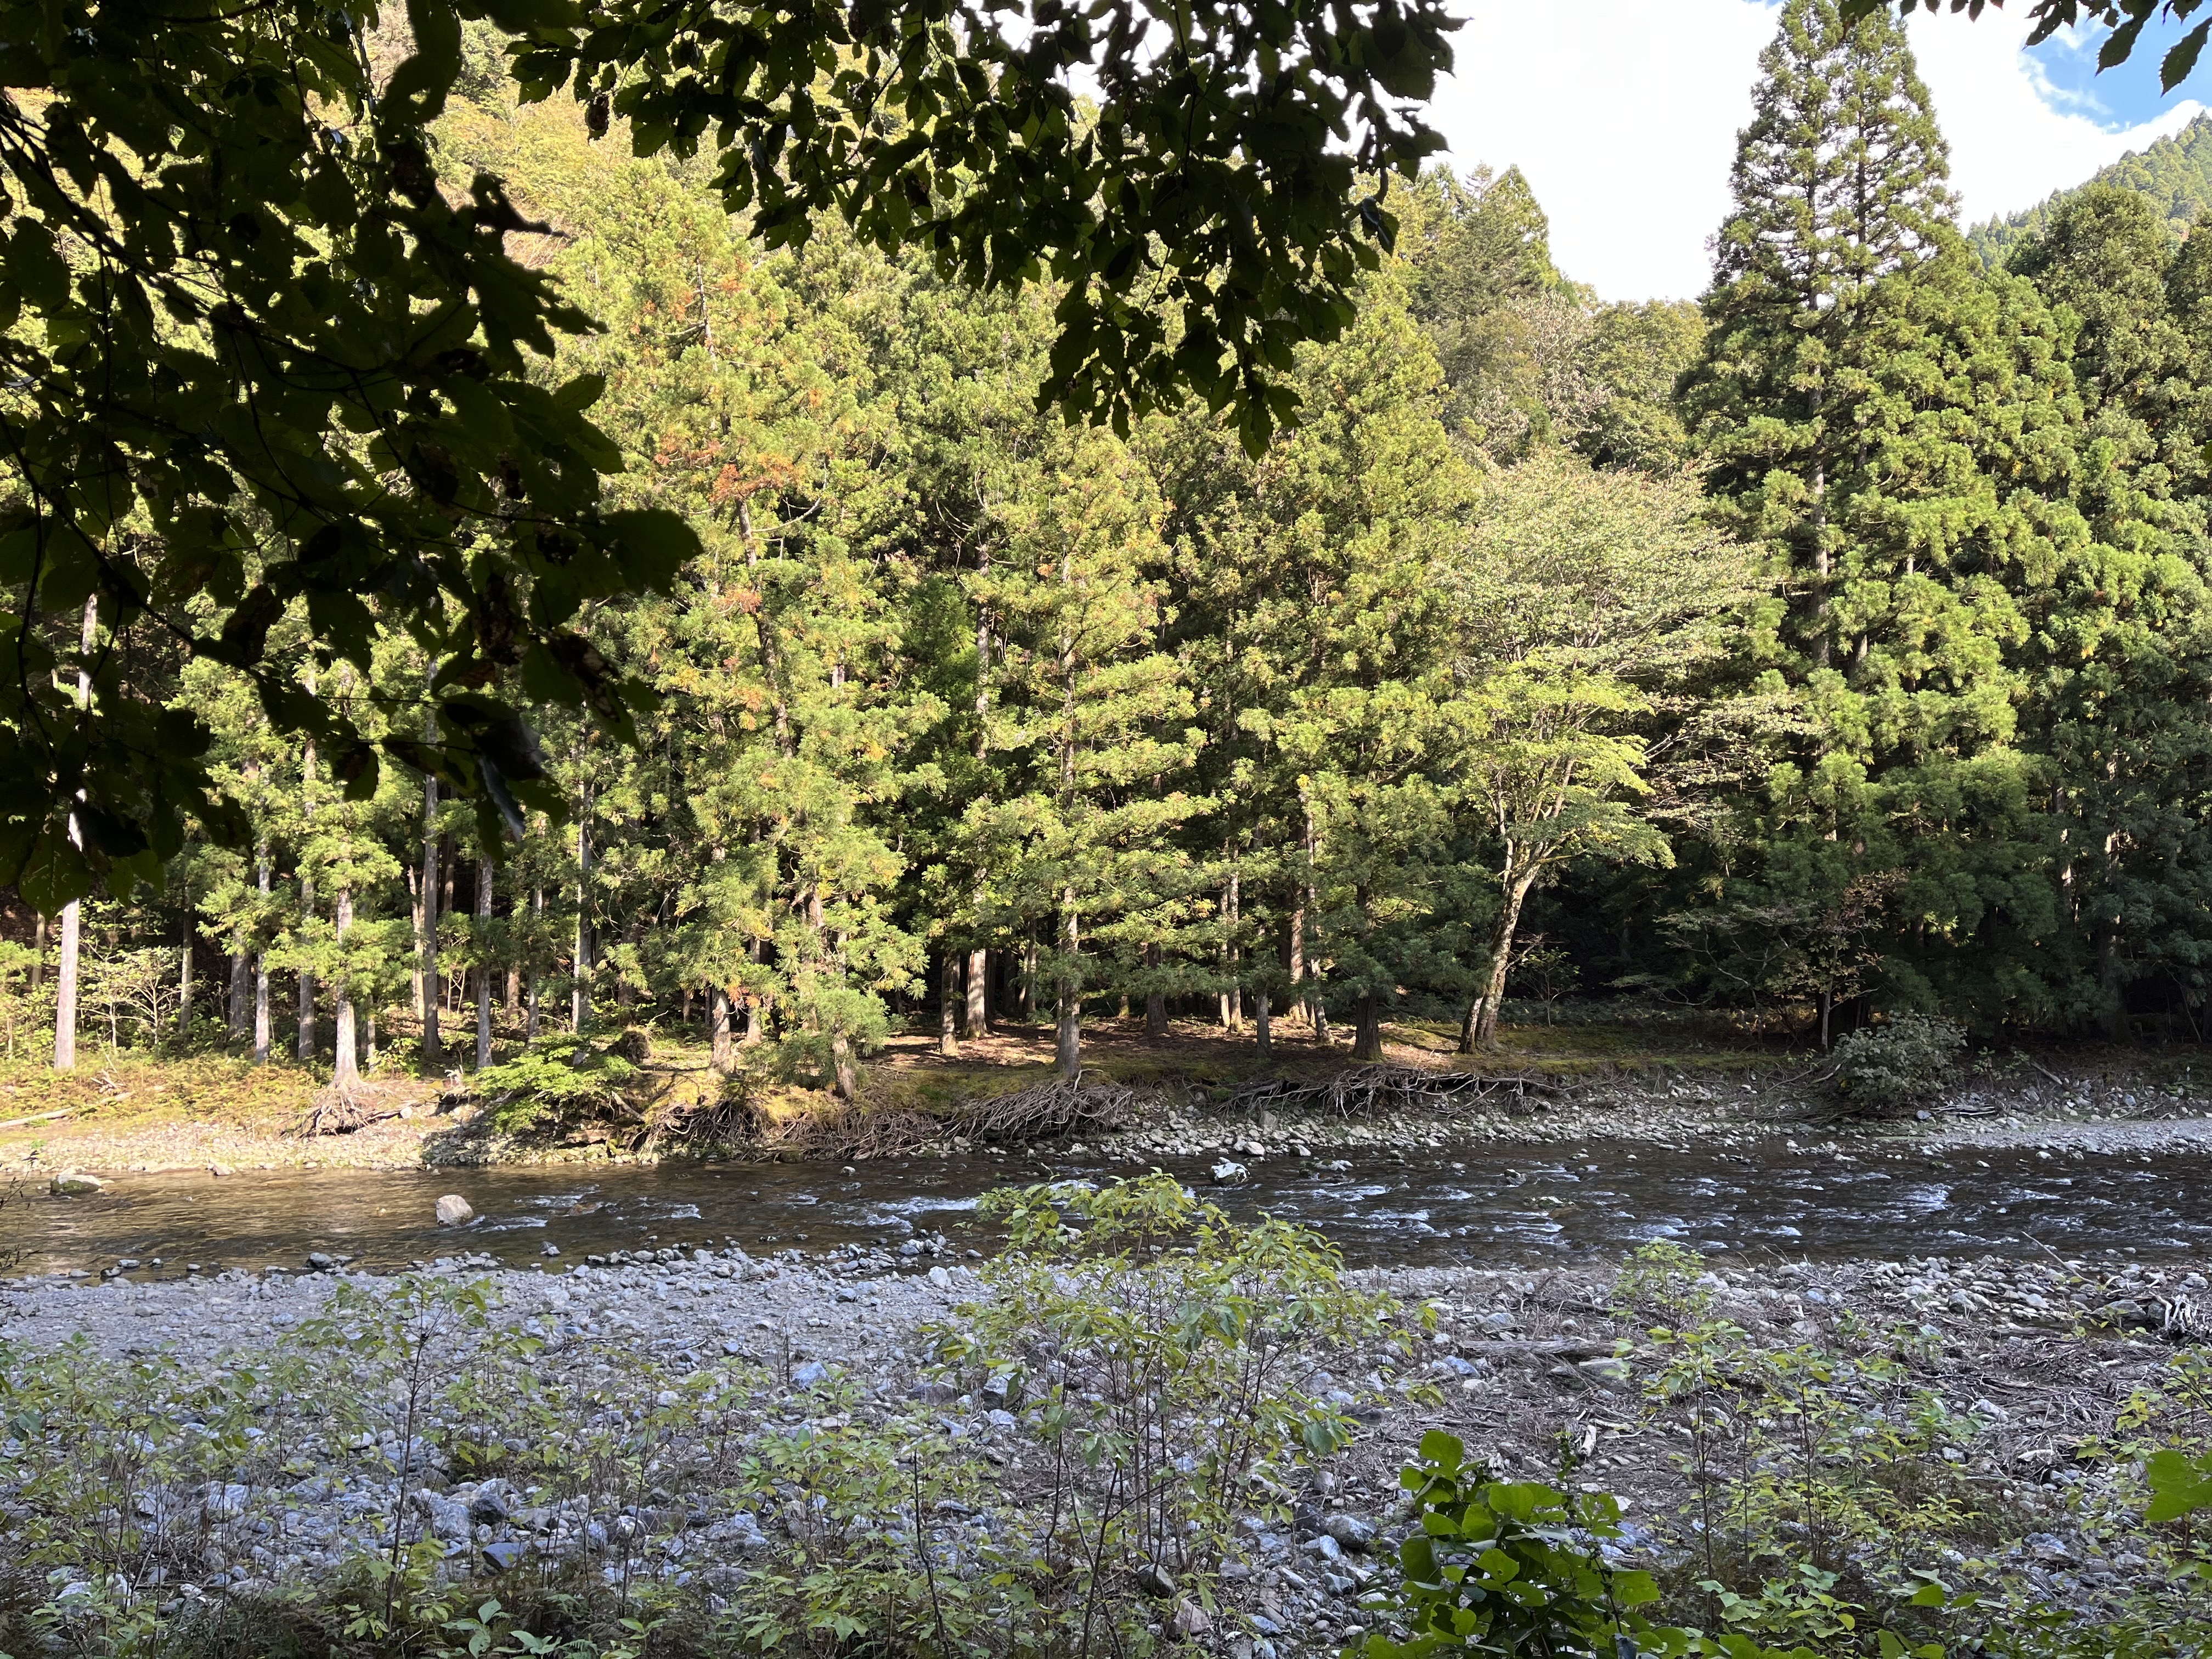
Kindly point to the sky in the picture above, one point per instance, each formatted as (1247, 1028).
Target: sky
(1624, 113)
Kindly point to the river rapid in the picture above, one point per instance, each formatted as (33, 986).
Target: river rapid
(1472, 1205)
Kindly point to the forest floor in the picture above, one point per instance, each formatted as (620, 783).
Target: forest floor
(122, 1111)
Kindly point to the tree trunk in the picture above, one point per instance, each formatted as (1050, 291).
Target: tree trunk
(948, 1004)
(1297, 964)
(1069, 1043)
(1263, 1010)
(307, 908)
(483, 968)
(846, 1067)
(1235, 1021)
(756, 1017)
(1028, 980)
(721, 1053)
(183, 975)
(1367, 1042)
(261, 1029)
(1156, 1000)
(580, 992)
(347, 1061)
(306, 976)
(241, 988)
(72, 914)
(979, 993)
(1483, 1017)
(65, 990)
(428, 989)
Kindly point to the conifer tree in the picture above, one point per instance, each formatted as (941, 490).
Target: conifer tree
(1900, 433)
(2122, 656)
(1837, 183)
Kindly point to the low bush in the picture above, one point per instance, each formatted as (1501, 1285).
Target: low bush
(1900, 1064)
(555, 1079)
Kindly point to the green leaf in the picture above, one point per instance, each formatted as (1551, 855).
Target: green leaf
(2180, 1485)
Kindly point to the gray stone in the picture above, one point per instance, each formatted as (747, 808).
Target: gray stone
(1228, 1172)
(1190, 1619)
(502, 1557)
(490, 1505)
(447, 1517)
(453, 1210)
(1349, 1530)
(813, 1375)
(1155, 1580)
(74, 1183)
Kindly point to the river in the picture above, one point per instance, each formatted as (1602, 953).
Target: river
(1477, 1204)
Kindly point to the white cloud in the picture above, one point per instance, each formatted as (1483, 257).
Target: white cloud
(1624, 115)
(2015, 138)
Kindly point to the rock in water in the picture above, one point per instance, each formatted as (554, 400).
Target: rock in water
(453, 1210)
(1227, 1173)
(74, 1184)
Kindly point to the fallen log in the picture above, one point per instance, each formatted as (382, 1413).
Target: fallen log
(36, 1117)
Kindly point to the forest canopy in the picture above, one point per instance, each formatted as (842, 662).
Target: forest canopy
(792, 612)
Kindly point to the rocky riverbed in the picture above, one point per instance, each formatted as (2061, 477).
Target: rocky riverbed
(2021, 1367)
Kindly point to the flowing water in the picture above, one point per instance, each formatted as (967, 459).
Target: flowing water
(1477, 1204)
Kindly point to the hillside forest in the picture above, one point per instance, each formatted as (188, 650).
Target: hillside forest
(1837, 646)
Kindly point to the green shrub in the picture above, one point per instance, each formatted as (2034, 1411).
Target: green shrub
(1164, 1362)
(1507, 1567)
(1899, 1065)
(557, 1077)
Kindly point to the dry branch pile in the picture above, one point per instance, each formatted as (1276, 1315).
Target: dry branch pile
(1062, 1106)
(1369, 1090)
(339, 1108)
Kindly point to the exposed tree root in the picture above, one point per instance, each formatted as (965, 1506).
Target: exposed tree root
(1369, 1091)
(1061, 1106)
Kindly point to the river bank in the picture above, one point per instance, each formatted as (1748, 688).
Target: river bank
(1196, 1097)
(2006, 1400)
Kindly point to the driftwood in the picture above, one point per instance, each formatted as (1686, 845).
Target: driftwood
(336, 1111)
(36, 1117)
(1061, 1106)
(340, 1109)
(1367, 1090)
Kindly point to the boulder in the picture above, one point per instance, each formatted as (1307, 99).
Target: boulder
(453, 1210)
(74, 1183)
(1228, 1173)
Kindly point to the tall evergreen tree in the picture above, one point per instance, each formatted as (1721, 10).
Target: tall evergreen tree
(1837, 183)
(1901, 434)
(2122, 649)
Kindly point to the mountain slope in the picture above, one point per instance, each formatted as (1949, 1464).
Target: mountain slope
(2175, 173)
